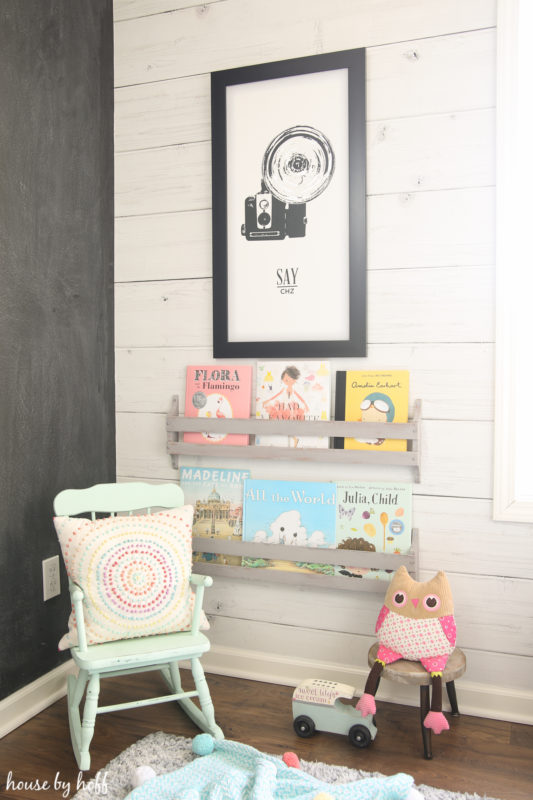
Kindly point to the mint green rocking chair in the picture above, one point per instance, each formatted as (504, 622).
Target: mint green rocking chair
(159, 652)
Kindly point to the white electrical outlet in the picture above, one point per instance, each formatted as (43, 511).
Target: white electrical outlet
(51, 581)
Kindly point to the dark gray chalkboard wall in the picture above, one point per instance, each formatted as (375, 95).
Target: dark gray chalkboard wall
(56, 300)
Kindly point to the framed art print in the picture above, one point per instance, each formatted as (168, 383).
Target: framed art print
(289, 208)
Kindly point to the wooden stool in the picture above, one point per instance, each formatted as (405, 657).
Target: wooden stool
(414, 674)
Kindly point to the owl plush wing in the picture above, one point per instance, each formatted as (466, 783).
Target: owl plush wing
(382, 614)
(449, 629)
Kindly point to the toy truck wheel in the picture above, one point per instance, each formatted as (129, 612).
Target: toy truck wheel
(359, 736)
(304, 726)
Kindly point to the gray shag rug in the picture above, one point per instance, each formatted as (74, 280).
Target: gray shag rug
(165, 752)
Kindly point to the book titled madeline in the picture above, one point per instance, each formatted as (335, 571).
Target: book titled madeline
(218, 392)
(373, 517)
(289, 513)
(297, 390)
(217, 497)
(371, 396)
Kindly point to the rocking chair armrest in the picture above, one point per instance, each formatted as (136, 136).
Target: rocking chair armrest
(200, 582)
(77, 595)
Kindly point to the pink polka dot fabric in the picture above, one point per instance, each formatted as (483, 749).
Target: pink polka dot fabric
(423, 640)
(134, 572)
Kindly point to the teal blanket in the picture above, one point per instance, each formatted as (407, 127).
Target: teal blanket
(235, 771)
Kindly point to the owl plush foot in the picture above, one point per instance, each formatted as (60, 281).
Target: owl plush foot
(366, 704)
(436, 721)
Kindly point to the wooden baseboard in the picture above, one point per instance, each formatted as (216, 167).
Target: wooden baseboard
(476, 699)
(24, 704)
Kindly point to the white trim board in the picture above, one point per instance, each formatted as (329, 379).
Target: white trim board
(513, 500)
(19, 707)
(479, 700)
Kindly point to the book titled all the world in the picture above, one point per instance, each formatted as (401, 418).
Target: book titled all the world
(371, 396)
(218, 391)
(289, 513)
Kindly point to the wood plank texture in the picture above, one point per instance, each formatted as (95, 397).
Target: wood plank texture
(289, 651)
(444, 151)
(147, 377)
(476, 622)
(431, 70)
(131, 9)
(435, 306)
(428, 229)
(456, 458)
(163, 246)
(405, 230)
(476, 755)
(222, 35)
(179, 179)
(56, 304)
(438, 75)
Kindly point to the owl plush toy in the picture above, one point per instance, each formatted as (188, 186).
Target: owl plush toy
(416, 623)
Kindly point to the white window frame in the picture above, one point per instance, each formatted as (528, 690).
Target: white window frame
(513, 426)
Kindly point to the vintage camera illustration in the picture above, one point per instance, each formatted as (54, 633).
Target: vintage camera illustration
(298, 165)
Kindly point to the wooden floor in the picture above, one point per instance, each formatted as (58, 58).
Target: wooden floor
(476, 755)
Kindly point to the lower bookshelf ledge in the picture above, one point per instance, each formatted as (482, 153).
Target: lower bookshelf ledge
(329, 556)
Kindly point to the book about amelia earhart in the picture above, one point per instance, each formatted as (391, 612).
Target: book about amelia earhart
(372, 517)
(217, 497)
(298, 390)
(371, 396)
(217, 392)
(289, 513)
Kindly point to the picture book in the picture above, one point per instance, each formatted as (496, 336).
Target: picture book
(218, 391)
(293, 390)
(375, 517)
(217, 498)
(289, 513)
(371, 396)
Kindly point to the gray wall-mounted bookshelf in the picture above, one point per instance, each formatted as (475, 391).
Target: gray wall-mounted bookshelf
(177, 425)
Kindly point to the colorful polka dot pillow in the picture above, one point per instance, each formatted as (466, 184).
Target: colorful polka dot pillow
(134, 572)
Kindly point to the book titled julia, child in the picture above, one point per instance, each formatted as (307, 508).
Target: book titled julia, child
(371, 396)
(220, 391)
(372, 517)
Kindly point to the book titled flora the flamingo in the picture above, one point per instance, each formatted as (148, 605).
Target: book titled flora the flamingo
(293, 390)
(218, 392)
(371, 396)
(289, 513)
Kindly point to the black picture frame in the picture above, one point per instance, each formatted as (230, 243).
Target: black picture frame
(347, 67)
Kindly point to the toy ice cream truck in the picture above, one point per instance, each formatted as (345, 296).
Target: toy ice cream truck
(317, 706)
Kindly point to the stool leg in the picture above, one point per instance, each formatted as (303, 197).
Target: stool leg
(426, 733)
(452, 697)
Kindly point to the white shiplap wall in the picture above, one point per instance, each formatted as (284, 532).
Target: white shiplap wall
(431, 152)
